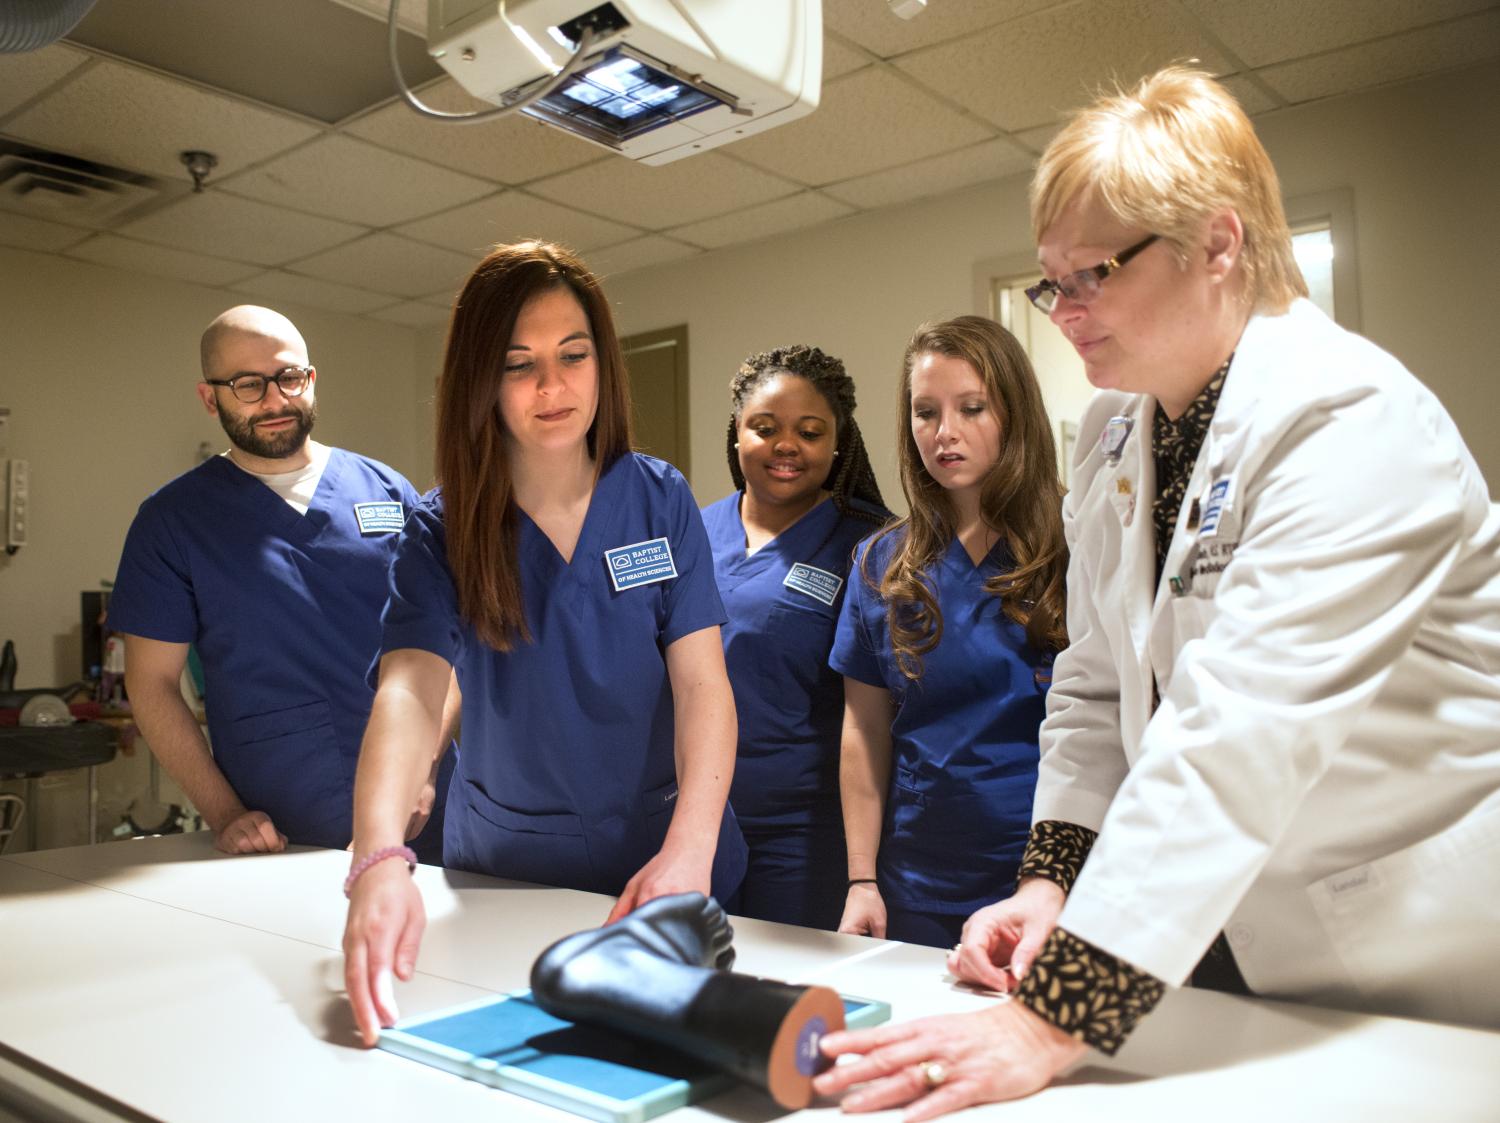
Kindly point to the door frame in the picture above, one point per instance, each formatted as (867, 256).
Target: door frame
(658, 340)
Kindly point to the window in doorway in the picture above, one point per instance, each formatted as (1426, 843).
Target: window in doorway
(1313, 247)
(1323, 240)
(1000, 291)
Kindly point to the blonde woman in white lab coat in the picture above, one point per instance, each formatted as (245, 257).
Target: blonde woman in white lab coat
(1271, 759)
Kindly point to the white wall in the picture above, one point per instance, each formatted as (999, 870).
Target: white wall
(1422, 160)
(98, 370)
(856, 288)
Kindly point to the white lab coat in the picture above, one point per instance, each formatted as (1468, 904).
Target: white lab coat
(1322, 777)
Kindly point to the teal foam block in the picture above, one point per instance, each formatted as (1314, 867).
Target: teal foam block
(511, 1043)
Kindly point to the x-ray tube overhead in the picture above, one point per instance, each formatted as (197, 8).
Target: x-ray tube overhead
(659, 80)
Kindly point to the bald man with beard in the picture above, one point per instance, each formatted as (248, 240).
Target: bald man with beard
(271, 559)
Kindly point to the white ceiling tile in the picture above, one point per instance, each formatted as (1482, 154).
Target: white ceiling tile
(872, 24)
(872, 119)
(1034, 69)
(657, 197)
(1252, 98)
(993, 159)
(1020, 65)
(1444, 47)
(412, 313)
(25, 75)
(312, 59)
(136, 119)
(637, 254)
(386, 263)
(410, 14)
(511, 150)
(37, 233)
(346, 178)
(142, 257)
(1038, 138)
(280, 287)
(839, 58)
(223, 225)
(790, 213)
(1271, 31)
(510, 217)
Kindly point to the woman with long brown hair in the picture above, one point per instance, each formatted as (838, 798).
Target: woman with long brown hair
(569, 584)
(946, 641)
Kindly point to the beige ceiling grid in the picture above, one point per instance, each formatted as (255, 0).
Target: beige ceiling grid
(383, 213)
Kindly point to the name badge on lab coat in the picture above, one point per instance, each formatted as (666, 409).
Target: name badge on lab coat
(384, 517)
(641, 563)
(816, 583)
(1216, 523)
(1217, 508)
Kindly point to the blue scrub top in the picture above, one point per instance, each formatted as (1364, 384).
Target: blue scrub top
(964, 736)
(783, 603)
(568, 775)
(284, 609)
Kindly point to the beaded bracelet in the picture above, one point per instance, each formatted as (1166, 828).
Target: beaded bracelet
(380, 855)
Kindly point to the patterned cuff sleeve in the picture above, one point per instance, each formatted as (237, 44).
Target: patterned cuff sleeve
(1088, 993)
(1056, 851)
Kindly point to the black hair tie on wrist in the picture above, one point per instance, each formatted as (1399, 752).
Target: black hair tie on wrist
(853, 881)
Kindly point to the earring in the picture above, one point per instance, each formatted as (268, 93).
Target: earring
(736, 444)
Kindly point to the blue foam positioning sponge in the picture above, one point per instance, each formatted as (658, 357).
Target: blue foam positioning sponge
(507, 1041)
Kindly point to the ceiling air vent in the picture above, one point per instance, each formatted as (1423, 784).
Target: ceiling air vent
(67, 189)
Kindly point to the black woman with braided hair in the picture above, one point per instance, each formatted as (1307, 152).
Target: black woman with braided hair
(782, 544)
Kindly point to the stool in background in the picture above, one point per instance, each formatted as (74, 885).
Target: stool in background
(27, 753)
(12, 812)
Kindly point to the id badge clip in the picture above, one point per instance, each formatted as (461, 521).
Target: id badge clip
(1112, 440)
(1181, 582)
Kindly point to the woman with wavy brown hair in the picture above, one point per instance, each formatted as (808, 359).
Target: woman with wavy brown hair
(946, 641)
(568, 583)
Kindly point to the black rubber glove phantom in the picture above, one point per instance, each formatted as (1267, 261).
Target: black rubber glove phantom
(659, 973)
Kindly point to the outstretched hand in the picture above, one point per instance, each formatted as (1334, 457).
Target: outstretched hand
(381, 937)
(669, 872)
(941, 1064)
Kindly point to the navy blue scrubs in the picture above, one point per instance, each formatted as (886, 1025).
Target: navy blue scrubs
(568, 775)
(963, 744)
(783, 604)
(284, 609)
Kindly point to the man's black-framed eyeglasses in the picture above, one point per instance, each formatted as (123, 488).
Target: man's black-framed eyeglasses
(251, 388)
(1082, 286)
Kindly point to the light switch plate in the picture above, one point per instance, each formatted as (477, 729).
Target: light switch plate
(17, 500)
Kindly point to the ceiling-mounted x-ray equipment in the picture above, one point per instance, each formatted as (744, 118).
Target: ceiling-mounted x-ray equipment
(654, 80)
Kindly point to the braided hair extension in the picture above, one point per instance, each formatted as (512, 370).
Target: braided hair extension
(852, 477)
